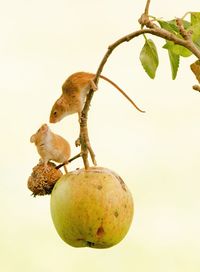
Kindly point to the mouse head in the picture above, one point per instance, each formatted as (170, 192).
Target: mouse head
(40, 134)
(59, 110)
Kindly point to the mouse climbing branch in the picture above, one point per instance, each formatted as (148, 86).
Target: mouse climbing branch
(148, 26)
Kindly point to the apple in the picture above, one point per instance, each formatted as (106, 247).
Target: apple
(91, 208)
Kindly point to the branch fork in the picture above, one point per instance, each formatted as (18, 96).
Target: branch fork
(145, 21)
(151, 28)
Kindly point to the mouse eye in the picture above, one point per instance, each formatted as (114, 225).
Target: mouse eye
(55, 113)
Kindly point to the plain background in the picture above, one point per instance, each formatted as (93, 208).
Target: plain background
(156, 153)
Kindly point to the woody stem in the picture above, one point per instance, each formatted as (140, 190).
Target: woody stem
(152, 29)
(84, 137)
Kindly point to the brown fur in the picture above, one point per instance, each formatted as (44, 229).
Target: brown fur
(50, 146)
(74, 91)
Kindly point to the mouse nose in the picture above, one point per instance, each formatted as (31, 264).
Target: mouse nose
(52, 120)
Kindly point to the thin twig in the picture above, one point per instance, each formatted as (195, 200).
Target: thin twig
(146, 11)
(70, 160)
(187, 35)
(186, 14)
(84, 137)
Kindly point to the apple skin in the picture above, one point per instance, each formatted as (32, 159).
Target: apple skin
(91, 208)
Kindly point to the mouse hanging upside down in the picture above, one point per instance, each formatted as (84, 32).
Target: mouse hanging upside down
(74, 92)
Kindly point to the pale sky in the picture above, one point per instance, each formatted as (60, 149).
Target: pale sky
(156, 153)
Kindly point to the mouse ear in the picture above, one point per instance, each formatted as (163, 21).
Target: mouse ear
(44, 128)
(60, 101)
(32, 139)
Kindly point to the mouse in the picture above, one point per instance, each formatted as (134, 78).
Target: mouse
(51, 146)
(74, 92)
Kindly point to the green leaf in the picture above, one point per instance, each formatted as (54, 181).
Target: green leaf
(174, 59)
(195, 18)
(149, 58)
(167, 26)
(174, 62)
(177, 49)
(197, 42)
(195, 32)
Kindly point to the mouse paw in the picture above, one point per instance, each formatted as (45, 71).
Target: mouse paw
(93, 86)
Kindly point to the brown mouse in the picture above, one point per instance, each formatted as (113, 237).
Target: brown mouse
(74, 92)
(51, 146)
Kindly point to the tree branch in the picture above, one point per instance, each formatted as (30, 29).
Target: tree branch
(70, 160)
(152, 29)
(146, 11)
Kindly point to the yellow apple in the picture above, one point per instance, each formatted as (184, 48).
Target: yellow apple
(91, 208)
